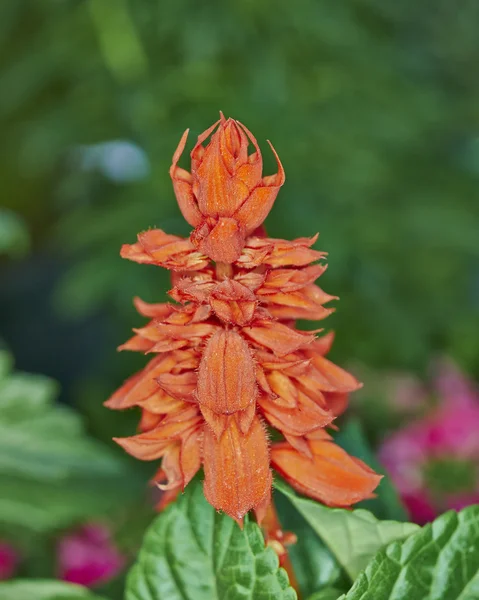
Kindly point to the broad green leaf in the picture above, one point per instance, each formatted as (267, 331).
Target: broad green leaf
(387, 504)
(314, 565)
(439, 562)
(51, 473)
(353, 536)
(191, 552)
(39, 589)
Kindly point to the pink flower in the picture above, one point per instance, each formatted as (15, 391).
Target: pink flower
(8, 561)
(434, 461)
(88, 556)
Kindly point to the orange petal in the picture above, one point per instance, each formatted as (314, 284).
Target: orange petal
(216, 421)
(160, 403)
(188, 289)
(261, 509)
(322, 345)
(279, 338)
(237, 474)
(152, 444)
(279, 253)
(168, 345)
(283, 387)
(161, 310)
(233, 302)
(262, 381)
(190, 455)
(331, 476)
(226, 377)
(138, 387)
(256, 207)
(290, 280)
(245, 418)
(157, 331)
(337, 403)
(251, 280)
(149, 420)
(167, 498)
(299, 443)
(223, 242)
(180, 386)
(301, 304)
(169, 251)
(292, 363)
(339, 379)
(170, 466)
(305, 417)
(182, 184)
(137, 344)
(136, 253)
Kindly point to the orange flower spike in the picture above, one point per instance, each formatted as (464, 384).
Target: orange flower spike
(225, 196)
(228, 358)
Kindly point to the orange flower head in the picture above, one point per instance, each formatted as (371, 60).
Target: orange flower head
(225, 196)
(229, 364)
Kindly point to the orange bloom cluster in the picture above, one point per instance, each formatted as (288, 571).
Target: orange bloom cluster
(229, 363)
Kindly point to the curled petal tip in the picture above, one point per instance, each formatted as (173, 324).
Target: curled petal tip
(179, 150)
(280, 176)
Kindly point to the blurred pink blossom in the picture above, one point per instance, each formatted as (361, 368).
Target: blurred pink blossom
(88, 556)
(434, 462)
(405, 392)
(9, 560)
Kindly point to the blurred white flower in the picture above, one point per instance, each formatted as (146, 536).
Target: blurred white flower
(120, 161)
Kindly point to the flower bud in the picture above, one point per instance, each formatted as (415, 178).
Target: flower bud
(225, 196)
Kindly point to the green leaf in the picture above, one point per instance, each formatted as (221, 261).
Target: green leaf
(387, 504)
(51, 473)
(314, 565)
(353, 536)
(326, 594)
(192, 552)
(38, 589)
(439, 562)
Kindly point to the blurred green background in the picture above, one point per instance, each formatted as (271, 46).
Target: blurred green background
(373, 107)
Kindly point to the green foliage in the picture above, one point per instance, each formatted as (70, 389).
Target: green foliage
(14, 239)
(439, 562)
(353, 536)
(192, 552)
(38, 589)
(51, 473)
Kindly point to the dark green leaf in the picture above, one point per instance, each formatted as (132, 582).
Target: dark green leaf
(38, 589)
(353, 536)
(191, 552)
(439, 562)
